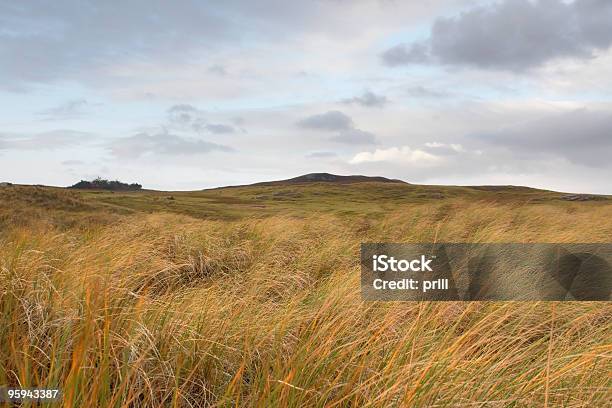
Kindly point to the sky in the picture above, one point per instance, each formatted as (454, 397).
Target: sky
(186, 95)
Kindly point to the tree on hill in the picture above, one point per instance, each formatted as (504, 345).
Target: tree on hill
(103, 184)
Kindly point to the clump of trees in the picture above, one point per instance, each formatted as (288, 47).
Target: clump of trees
(103, 184)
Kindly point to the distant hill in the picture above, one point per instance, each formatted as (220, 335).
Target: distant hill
(102, 184)
(329, 178)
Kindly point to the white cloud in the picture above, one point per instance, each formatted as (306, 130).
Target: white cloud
(397, 155)
(452, 146)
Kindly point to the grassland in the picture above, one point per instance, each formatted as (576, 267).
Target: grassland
(250, 297)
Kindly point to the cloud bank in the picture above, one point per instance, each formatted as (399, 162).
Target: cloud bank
(162, 143)
(512, 35)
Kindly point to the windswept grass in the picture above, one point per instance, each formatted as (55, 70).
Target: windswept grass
(165, 309)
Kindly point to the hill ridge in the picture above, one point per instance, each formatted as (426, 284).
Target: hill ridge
(324, 178)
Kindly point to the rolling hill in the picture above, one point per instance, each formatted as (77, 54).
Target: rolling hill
(250, 296)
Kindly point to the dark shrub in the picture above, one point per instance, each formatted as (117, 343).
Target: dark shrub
(102, 184)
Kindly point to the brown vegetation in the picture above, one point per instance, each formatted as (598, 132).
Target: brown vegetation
(153, 309)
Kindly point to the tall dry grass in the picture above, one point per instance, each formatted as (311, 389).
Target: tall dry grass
(166, 310)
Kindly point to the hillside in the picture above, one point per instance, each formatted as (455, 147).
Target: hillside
(329, 178)
(317, 193)
(299, 196)
(304, 195)
(250, 296)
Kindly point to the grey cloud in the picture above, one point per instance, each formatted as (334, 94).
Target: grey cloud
(73, 162)
(217, 69)
(368, 99)
(332, 120)
(219, 129)
(582, 136)
(73, 41)
(340, 122)
(321, 155)
(162, 143)
(424, 92)
(403, 54)
(182, 107)
(512, 35)
(188, 117)
(183, 114)
(70, 109)
(355, 137)
(85, 42)
(43, 141)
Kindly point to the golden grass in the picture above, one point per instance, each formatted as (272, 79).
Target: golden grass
(167, 310)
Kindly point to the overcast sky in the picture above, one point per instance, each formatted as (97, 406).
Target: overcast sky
(192, 94)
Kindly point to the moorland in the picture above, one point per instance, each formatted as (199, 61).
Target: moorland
(250, 296)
